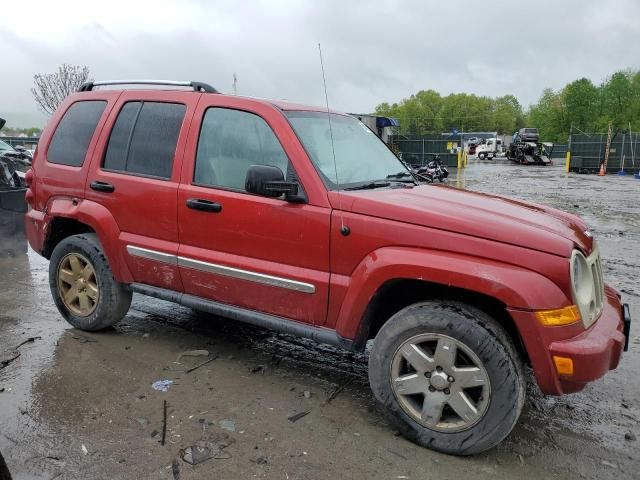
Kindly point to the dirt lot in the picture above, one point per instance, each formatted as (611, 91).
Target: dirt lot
(78, 405)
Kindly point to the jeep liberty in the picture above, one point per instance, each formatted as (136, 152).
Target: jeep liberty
(302, 221)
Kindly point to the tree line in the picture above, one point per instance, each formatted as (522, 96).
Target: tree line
(580, 105)
(16, 132)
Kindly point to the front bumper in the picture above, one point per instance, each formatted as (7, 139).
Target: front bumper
(594, 351)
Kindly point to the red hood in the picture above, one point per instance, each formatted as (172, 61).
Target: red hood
(476, 214)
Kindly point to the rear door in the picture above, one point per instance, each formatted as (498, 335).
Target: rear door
(136, 175)
(67, 145)
(263, 254)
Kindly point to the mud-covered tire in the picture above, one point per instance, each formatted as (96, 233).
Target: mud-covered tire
(113, 299)
(486, 339)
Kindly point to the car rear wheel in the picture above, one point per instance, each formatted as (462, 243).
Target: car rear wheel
(448, 376)
(82, 285)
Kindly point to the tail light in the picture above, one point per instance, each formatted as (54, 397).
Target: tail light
(28, 177)
(29, 195)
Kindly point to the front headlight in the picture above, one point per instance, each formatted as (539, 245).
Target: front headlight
(586, 282)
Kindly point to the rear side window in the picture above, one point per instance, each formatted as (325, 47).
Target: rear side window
(72, 137)
(144, 137)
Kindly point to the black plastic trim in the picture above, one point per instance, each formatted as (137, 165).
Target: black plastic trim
(626, 315)
(86, 87)
(259, 319)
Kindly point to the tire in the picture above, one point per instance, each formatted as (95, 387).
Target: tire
(4, 470)
(478, 338)
(108, 300)
(482, 156)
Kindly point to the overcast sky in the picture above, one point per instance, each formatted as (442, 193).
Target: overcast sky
(374, 51)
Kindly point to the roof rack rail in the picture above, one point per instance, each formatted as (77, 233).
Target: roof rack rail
(197, 86)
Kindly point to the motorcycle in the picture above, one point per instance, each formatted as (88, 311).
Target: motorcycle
(434, 170)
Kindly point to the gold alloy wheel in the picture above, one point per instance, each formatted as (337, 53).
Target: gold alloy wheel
(78, 285)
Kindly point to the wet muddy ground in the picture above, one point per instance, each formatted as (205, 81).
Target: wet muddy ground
(77, 405)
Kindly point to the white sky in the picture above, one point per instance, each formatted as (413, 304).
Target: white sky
(374, 51)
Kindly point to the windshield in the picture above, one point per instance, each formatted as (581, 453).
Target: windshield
(5, 146)
(361, 157)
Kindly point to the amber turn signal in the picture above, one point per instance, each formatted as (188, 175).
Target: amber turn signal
(564, 365)
(559, 316)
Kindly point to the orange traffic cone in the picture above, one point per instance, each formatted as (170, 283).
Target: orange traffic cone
(601, 173)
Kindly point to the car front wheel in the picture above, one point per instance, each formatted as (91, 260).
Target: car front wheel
(448, 376)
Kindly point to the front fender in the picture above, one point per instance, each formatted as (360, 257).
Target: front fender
(514, 286)
(102, 222)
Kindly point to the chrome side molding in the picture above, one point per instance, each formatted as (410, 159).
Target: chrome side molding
(152, 255)
(223, 270)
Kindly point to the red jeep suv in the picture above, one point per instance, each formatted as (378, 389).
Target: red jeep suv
(302, 221)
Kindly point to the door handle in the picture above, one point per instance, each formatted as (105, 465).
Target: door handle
(102, 186)
(204, 205)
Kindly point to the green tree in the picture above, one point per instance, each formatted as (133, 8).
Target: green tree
(507, 114)
(580, 99)
(619, 100)
(547, 116)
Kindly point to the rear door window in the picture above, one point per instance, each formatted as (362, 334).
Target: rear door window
(144, 137)
(74, 132)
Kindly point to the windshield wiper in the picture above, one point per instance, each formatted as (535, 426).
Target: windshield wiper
(405, 177)
(400, 175)
(370, 185)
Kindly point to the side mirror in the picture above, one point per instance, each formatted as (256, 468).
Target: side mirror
(268, 181)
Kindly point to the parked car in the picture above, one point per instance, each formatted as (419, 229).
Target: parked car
(12, 159)
(526, 135)
(472, 145)
(12, 202)
(251, 209)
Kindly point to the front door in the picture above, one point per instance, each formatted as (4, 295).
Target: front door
(263, 254)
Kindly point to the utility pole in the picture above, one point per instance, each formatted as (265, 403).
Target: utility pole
(235, 84)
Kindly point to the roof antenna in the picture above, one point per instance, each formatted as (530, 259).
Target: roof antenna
(235, 84)
(344, 230)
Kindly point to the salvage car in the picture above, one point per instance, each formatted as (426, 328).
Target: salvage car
(13, 166)
(301, 220)
(14, 162)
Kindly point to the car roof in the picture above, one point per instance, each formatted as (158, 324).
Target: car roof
(284, 105)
